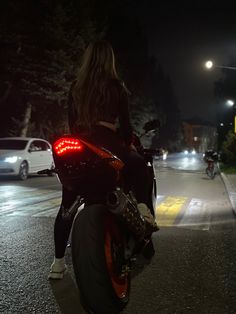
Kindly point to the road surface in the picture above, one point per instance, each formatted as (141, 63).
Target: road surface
(193, 270)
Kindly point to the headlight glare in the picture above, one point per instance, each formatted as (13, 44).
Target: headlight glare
(11, 159)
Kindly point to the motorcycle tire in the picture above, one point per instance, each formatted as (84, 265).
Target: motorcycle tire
(210, 173)
(149, 251)
(152, 191)
(97, 248)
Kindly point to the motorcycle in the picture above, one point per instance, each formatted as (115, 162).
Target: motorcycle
(108, 231)
(211, 168)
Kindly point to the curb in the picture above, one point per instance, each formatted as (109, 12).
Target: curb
(230, 190)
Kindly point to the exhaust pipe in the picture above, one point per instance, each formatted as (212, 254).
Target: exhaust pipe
(125, 208)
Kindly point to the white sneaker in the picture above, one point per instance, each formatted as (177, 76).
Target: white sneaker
(150, 219)
(57, 269)
(146, 213)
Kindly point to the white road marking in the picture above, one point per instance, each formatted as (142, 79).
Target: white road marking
(196, 215)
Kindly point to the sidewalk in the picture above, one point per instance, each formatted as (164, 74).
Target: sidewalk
(230, 185)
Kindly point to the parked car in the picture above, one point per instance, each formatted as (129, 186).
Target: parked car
(21, 156)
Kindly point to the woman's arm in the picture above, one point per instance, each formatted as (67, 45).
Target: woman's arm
(124, 117)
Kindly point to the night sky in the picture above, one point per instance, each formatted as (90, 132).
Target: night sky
(183, 38)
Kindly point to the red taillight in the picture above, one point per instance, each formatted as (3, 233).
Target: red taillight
(66, 145)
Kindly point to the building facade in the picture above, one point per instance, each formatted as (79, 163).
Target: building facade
(199, 135)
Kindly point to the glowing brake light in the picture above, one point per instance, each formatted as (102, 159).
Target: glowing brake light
(66, 145)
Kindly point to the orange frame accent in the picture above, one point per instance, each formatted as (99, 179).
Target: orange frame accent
(120, 285)
(115, 163)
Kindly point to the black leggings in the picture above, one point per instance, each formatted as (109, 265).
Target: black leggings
(135, 171)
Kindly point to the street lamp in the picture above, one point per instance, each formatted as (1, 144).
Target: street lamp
(209, 65)
(230, 103)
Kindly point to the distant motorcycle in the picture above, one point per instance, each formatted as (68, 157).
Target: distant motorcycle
(108, 230)
(211, 169)
(211, 158)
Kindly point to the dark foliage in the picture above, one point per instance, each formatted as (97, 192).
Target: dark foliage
(224, 90)
(42, 43)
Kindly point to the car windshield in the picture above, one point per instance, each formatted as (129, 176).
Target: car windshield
(13, 144)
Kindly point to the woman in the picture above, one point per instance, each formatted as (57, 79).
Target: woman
(98, 108)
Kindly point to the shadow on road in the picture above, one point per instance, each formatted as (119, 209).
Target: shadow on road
(67, 295)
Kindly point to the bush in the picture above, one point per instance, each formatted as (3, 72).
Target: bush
(229, 149)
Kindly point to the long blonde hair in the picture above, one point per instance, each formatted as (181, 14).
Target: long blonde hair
(98, 66)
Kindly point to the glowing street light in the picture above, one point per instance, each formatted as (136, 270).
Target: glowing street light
(230, 102)
(209, 65)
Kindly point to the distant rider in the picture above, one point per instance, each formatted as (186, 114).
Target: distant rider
(211, 155)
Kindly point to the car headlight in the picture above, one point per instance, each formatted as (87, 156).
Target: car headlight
(185, 152)
(11, 159)
(193, 152)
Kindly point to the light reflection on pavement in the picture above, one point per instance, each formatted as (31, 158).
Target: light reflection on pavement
(25, 201)
(181, 162)
(192, 211)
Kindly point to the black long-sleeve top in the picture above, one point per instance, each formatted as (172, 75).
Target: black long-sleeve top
(113, 105)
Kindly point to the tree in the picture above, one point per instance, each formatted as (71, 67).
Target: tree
(43, 43)
(152, 91)
(42, 64)
(225, 89)
(143, 111)
(229, 149)
(171, 131)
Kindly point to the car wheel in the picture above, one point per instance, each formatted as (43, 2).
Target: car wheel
(23, 172)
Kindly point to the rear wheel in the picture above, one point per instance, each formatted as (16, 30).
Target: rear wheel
(210, 172)
(98, 261)
(23, 171)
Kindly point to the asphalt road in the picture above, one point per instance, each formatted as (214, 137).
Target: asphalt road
(193, 270)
